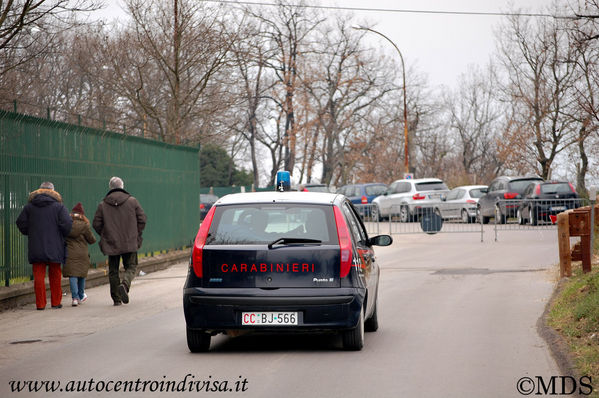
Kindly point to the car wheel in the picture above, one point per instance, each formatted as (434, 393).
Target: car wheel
(499, 218)
(404, 214)
(372, 323)
(479, 216)
(353, 340)
(376, 213)
(521, 220)
(197, 340)
(465, 217)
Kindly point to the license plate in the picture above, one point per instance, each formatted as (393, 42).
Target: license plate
(558, 208)
(269, 318)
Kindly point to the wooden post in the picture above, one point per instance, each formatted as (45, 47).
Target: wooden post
(563, 238)
(580, 225)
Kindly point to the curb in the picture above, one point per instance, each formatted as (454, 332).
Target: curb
(557, 344)
(22, 293)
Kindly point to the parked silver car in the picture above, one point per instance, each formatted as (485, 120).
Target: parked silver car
(461, 203)
(408, 199)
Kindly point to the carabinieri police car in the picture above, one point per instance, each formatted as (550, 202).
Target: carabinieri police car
(281, 262)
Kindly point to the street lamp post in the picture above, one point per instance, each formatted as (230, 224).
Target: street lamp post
(405, 108)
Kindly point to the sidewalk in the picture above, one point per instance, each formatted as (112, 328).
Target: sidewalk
(25, 331)
(22, 293)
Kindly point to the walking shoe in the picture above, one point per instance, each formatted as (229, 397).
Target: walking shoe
(75, 303)
(83, 299)
(123, 293)
(57, 306)
(117, 303)
(41, 309)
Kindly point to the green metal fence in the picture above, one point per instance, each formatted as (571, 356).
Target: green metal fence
(80, 161)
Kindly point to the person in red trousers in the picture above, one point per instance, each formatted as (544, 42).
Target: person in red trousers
(46, 223)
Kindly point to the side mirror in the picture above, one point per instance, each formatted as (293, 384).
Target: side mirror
(380, 240)
(443, 198)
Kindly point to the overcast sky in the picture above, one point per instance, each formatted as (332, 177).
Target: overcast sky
(440, 46)
(437, 45)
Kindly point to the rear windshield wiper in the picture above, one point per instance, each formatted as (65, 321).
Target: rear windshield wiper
(286, 241)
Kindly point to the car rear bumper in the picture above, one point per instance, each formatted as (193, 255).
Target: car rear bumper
(318, 309)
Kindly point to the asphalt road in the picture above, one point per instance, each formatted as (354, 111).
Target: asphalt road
(458, 318)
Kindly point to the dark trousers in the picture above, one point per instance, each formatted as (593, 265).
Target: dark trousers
(130, 264)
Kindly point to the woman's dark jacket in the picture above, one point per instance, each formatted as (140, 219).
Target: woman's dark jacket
(46, 222)
(77, 252)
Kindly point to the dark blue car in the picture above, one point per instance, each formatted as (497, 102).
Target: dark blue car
(363, 194)
(282, 262)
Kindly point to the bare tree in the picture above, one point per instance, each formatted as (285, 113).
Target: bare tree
(250, 55)
(288, 29)
(585, 113)
(474, 117)
(345, 81)
(28, 28)
(538, 61)
(165, 64)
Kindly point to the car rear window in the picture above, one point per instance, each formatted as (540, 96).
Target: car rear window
(372, 190)
(263, 224)
(556, 188)
(477, 192)
(431, 186)
(519, 185)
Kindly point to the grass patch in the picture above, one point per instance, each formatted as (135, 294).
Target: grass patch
(23, 279)
(575, 315)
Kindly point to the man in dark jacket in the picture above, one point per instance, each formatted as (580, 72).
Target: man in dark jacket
(119, 221)
(46, 222)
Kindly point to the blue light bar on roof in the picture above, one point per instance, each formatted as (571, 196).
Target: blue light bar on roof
(283, 181)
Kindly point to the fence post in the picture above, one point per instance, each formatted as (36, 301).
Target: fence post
(593, 198)
(7, 242)
(563, 239)
(480, 219)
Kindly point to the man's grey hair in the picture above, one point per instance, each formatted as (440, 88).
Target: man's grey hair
(116, 182)
(47, 185)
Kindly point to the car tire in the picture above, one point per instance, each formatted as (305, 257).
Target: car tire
(353, 339)
(372, 323)
(499, 217)
(521, 220)
(404, 214)
(465, 217)
(198, 340)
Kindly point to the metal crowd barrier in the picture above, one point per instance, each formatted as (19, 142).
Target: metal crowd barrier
(443, 217)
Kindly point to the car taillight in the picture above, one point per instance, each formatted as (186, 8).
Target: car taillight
(202, 206)
(538, 190)
(472, 202)
(418, 197)
(198, 246)
(572, 187)
(364, 200)
(344, 243)
(510, 195)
